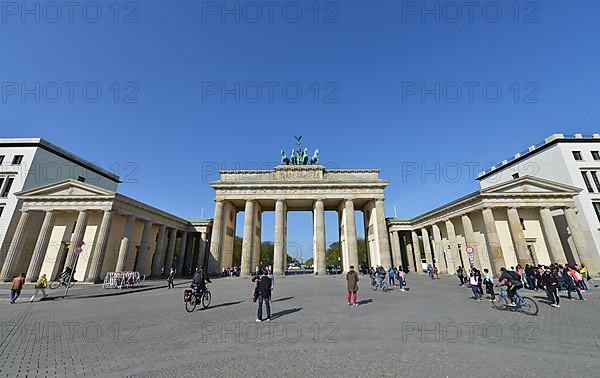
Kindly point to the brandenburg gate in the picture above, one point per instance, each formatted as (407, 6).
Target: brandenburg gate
(298, 185)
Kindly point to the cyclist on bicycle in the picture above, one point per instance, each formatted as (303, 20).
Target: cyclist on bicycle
(199, 281)
(64, 276)
(512, 281)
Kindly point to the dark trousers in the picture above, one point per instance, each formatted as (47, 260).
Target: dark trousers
(171, 284)
(489, 287)
(267, 301)
(552, 292)
(574, 287)
(14, 294)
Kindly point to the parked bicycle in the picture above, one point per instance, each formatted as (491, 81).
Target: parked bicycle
(192, 298)
(522, 303)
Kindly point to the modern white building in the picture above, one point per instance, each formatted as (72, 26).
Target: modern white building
(29, 163)
(570, 160)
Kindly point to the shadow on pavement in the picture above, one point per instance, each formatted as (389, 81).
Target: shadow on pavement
(223, 305)
(364, 302)
(283, 313)
(283, 299)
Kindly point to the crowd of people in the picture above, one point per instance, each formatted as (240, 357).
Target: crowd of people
(552, 279)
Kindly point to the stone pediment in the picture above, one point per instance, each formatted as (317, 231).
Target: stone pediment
(531, 185)
(67, 188)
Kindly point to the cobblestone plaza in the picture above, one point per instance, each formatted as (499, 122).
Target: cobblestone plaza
(434, 329)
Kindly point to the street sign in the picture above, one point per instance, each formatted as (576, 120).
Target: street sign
(470, 250)
(78, 250)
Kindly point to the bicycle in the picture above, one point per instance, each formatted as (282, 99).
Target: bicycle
(61, 282)
(375, 285)
(522, 303)
(193, 298)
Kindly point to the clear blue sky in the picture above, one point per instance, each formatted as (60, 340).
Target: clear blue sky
(174, 127)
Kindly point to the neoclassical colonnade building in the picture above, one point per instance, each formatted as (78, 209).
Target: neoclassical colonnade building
(298, 188)
(523, 221)
(115, 233)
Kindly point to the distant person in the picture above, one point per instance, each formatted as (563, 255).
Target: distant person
(488, 280)
(352, 286)
(40, 286)
(436, 272)
(474, 286)
(401, 279)
(171, 277)
(551, 286)
(392, 277)
(264, 295)
(16, 286)
(460, 273)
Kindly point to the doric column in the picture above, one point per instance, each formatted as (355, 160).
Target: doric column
(426, 246)
(10, 263)
(351, 241)
(171, 249)
(279, 247)
(144, 255)
(454, 260)
(216, 239)
(518, 236)
(416, 251)
(396, 251)
(384, 242)
(77, 238)
(438, 249)
(587, 256)
(188, 264)
(557, 253)
(410, 254)
(159, 251)
(256, 240)
(182, 252)
(100, 248)
(201, 249)
(125, 242)
(470, 240)
(319, 258)
(39, 252)
(493, 241)
(247, 245)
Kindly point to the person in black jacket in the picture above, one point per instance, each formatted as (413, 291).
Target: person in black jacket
(264, 295)
(551, 287)
(200, 280)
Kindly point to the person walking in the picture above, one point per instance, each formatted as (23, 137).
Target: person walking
(352, 286)
(40, 286)
(436, 272)
(489, 283)
(460, 273)
(171, 277)
(391, 277)
(572, 282)
(16, 286)
(401, 279)
(474, 286)
(551, 286)
(264, 295)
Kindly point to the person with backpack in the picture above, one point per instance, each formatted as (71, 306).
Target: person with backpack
(40, 286)
(461, 275)
(474, 286)
(352, 286)
(512, 281)
(401, 279)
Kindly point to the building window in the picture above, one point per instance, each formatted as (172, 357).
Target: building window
(597, 208)
(595, 178)
(596, 155)
(7, 186)
(515, 175)
(81, 179)
(577, 155)
(586, 180)
(1, 159)
(17, 159)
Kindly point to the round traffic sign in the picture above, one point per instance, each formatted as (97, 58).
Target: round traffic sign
(78, 250)
(470, 250)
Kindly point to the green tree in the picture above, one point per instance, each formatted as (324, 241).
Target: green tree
(333, 255)
(310, 261)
